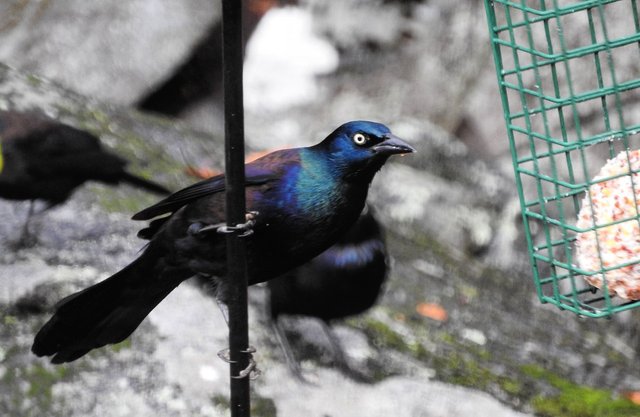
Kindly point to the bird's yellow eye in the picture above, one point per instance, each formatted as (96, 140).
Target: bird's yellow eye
(360, 139)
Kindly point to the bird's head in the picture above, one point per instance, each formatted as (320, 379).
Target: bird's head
(360, 147)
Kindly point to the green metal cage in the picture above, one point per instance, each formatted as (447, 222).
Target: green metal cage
(569, 79)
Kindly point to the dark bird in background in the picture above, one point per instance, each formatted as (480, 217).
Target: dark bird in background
(47, 160)
(342, 281)
(302, 201)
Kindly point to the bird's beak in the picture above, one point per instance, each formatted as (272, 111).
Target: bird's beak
(392, 145)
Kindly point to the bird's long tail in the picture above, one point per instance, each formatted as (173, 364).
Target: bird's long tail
(107, 312)
(143, 183)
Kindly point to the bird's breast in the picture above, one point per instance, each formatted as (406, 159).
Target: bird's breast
(291, 233)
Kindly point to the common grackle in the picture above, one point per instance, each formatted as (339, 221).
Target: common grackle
(342, 281)
(302, 200)
(47, 160)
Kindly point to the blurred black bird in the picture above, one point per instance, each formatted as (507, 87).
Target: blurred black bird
(301, 201)
(342, 281)
(47, 160)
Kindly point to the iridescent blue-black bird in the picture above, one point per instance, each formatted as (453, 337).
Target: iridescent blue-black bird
(303, 200)
(342, 281)
(47, 160)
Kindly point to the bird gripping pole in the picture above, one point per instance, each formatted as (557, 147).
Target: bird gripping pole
(235, 205)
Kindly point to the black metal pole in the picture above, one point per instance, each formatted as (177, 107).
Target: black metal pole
(235, 204)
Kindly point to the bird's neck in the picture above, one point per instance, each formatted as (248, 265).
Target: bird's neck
(322, 184)
(339, 168)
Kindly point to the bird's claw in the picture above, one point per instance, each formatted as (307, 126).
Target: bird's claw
(225, 356)
(250, 371)
(249, 350)
(246, 228)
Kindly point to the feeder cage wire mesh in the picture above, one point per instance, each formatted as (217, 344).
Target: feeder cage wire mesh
(569, 79)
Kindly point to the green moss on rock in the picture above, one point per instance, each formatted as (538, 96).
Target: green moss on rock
(33, 385)
(574, 400)
(41, 379)
(125, 344)
(460, 370)
(382, 335)
(263, 407)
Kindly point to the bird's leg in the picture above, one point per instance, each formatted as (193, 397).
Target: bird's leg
(26, 239)
(340, 357)
(25, 229)
(224, 309)
(338, 353)
(283, 341)
(251, 370)
(246, 228)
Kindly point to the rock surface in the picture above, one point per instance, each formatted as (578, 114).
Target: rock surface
(111, 50)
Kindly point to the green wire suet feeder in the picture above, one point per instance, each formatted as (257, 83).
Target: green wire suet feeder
(569, 80)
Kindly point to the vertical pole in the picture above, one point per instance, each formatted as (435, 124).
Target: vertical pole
(235, 203)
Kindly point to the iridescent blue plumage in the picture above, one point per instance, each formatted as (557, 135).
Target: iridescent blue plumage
(350, 255)
(306, 199)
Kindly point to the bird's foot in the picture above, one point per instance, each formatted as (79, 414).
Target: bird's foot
(250, 371)
(246, 228)
(225, 355)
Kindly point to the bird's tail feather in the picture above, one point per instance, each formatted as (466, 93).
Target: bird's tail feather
(107, 312)
(144, 183)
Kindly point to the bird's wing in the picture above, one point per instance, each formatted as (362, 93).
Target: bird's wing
(201, 189)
